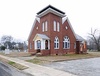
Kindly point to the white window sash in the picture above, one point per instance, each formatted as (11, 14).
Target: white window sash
(56, 42)
(46, 26)
(43, 27)
(68, 43)
(54, 25)
(58, 27)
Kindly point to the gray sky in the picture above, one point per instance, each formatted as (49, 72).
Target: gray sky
(17, 16)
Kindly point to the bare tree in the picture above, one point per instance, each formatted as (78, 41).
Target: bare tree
(95, 38)
(6, 40)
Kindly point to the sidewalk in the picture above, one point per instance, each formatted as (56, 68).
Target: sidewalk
(37, 70)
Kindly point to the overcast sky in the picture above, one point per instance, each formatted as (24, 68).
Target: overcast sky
(17, 16)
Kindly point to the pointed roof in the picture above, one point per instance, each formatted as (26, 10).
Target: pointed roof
(41, 36)
(50, 9)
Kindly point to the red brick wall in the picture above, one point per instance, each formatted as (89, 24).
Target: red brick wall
(34, 32)
(45, 52)
(52, 34)
(68, 32)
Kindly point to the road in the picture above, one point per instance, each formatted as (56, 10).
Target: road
(82, 67)
(7, 70)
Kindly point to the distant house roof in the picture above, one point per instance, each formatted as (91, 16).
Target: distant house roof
(51, 9)
(79, 38)
(41, 36)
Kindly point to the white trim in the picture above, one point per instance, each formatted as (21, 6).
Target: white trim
(64, 19)
(71, 27)
(52, 11)
(35, 45)
(42, 44)
(38, 19)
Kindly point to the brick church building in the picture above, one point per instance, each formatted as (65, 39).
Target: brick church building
(52, 34)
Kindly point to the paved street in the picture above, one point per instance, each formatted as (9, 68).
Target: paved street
(82, 67)
(6, 70)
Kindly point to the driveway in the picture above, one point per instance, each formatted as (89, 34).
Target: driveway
(82, 67)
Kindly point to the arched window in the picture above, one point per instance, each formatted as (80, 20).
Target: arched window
(66, 42)
(56, 43)
(46, 44)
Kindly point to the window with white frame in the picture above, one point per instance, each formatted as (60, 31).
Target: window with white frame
(58, 27)
(54, 25)
(46, 26)
(66, 42)
(56, 43)
(43, 26)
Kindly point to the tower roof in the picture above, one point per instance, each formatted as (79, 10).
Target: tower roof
(50, 9)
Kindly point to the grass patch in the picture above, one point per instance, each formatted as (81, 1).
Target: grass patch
(11, 63)
(16, 65)
(35, 61)
(78, 55)
(16, 54)
(49, 59)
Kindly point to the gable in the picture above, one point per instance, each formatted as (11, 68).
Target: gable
(41, 36)
(34, 23)
(65, 19)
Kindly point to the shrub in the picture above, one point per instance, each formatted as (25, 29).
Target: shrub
(2, 47)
